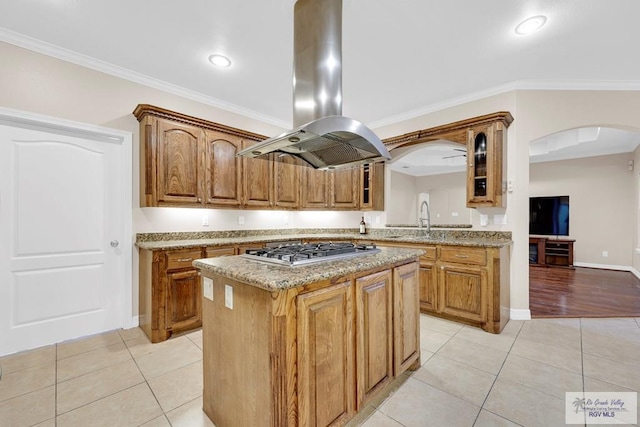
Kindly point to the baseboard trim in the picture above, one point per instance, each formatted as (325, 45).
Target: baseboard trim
(609, 267)
(519, 314)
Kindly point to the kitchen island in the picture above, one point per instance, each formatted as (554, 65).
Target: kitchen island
(306, 345)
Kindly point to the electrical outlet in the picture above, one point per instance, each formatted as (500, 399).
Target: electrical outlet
(240, 220)
(207, 290)
(454, 214)
(205, 221)
(228, 296)
(605, 254)
(377, 219)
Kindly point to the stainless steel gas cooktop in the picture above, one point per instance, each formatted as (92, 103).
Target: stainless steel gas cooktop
(309, 253)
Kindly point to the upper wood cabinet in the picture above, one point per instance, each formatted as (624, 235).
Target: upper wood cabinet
(315, 188)
(486, 150)
(190, 162)
(343, 188)
(287, 173)
(186, 161)
(223, 180)
(257, 181)
(176, 167)
(485, 138)
(372, 187)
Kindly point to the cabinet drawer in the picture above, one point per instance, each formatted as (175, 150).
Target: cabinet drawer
(430, 255)
(216, 252)
(182, 259)
(463, 255)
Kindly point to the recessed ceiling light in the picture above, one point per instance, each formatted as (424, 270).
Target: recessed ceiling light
(219, 60)
(531, 25)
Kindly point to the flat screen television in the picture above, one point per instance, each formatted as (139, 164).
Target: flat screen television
(549, 215)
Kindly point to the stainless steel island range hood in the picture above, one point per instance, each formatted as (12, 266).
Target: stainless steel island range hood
(322, 136)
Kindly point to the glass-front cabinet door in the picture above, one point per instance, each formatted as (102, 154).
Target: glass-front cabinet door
(485, 164)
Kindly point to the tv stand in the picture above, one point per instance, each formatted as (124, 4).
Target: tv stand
(549, 252)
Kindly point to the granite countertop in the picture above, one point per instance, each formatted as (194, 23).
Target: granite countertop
(436, 238)
(273, 277)
(432, 226)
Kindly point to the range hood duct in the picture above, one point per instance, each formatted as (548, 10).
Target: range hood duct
(322, 136)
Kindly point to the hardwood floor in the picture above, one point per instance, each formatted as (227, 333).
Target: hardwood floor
(583, 292)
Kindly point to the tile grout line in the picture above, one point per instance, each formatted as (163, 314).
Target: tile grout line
(496, 379)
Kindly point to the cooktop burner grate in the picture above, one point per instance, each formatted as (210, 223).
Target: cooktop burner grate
(309, 253)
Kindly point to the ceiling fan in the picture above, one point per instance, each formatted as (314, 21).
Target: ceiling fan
(464, 153)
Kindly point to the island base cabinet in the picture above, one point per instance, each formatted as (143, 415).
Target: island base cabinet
(406, 318)
(307, 356)
(325, 356)
(374, 332)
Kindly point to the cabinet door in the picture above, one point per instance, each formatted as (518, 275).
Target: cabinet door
(184, 306)
(372, 187)
(325, 356)
(344, 188)
(485, 147)
(222, 169)
(406, 313)
(428, 279)
(314, 188)
(257, 180)
(286, 181)
(463, 292)
(178, 166)
(374, 332)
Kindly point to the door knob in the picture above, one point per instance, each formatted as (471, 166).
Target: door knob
(114, 243)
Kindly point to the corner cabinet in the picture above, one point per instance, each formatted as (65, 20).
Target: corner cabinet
(486, 165)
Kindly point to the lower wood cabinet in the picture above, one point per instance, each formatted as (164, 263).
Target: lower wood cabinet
(170, 295)
(326, 356)
(308, 356)
(465, 284)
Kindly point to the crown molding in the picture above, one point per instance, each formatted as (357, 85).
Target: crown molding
(54, 51)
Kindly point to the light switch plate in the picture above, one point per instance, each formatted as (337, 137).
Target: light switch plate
(207, 288)
(228, 296)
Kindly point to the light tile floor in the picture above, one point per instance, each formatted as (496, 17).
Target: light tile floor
(468, 377)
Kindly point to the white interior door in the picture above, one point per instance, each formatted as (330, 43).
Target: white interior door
(63, 249)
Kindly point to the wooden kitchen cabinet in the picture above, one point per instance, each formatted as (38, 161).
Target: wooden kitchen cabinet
(223, 170)
(312, 355)
(486, 165)
(463, 283)
(287, 172)
(315, 188)
(406, 318)
(374, 333)
(428, 280)
(257, 181)
(343, 188)
(190, 162)
(177, 163)
(372, 187)
(170, 294)
(326, 356)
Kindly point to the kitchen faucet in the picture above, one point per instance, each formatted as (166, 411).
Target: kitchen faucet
(422, 218)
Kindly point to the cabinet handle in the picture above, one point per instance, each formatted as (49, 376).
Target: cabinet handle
(199, 199)
(462, 256)
(184, 259)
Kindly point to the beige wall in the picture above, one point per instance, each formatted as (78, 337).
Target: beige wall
(601, 204)
(402, 199)
(39, 84)
(447, 196)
